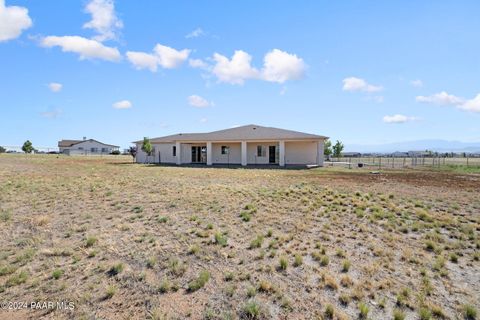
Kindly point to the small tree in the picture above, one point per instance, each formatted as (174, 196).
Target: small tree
(2, 149)
(133, 152)
(27, 147)
(147, 147)
(327, 149)
(337, 149)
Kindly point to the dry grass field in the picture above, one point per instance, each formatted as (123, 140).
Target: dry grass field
(129, 241)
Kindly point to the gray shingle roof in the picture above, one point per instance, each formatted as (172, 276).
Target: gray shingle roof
(248, 132)
(69, 143)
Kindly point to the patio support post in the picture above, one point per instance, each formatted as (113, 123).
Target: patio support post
(244, 153)
(209, 153)
(178, 147)
(281, 155)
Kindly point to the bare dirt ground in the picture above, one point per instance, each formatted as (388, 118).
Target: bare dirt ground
(129, 241)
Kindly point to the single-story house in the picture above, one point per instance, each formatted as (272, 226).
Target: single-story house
(85, 146)
(245, 145)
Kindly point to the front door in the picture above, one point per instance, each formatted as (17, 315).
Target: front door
(199, 154)
(272, 151)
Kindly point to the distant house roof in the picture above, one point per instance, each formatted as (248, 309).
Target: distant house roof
(70, 143)
(248, 132)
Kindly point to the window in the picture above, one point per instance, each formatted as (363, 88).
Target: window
(174, 151)
(225, 149)
(104, 150)
(93, 150)
(261, 151)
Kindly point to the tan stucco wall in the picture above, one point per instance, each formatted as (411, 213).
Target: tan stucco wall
(234, 157)
(252, 152)
(301, 152)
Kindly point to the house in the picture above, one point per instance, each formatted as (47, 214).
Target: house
(419, 154)
(89, 147)
(245, 145)
(399, 154)
(351, 154)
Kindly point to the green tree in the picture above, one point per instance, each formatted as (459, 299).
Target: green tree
(2, 149)
(337, 149)
(27, 147)
(327, 149)
(147, 147)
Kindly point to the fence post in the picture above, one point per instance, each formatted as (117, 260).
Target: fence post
(467, 161)
(379, 163)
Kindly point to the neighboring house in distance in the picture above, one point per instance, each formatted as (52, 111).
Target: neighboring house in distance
(351, 154)
(414, 154)
(85, 147)
(245, 145)
(399, 154)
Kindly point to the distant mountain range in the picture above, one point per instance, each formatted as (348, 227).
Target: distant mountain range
(417, 145)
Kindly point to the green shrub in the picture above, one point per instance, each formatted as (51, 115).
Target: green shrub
(90, 241)
(398, 314)
(257, 242)
(298, 260)
(199, 282)
(283, 263)
(220, 239)
(469, 312)
(363, 310)
(116, 269)
(57, 273)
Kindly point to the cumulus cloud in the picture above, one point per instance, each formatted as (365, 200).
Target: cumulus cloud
(13, 20)
(441, 98)
(472, 105)
(86, 48)
(398, 118)
(122, 104)
(104, 19)
(235, 70)
(280, 66)
(198, 63)
(163, 56)
(417, 83)
(195, 33)
(55, 87)
(358, 84)
(198, 102)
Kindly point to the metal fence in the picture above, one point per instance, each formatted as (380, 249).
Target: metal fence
(403, 162)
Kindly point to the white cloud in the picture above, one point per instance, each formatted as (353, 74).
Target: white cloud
(441, 98)
(86, 48)
(358, 84)
(13, 20)
(235, 70)
(198, 63)
(195, 33)
(142, 60)
(472, 105)
(203, 120)
(280, 66)
(55, 87)
(199, 102)
(163, 56)
(170, 58)
(398, 118)
(123, 104)
(417, 83)
(104, 20)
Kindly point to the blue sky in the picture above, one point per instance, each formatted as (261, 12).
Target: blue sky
(363, 72)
